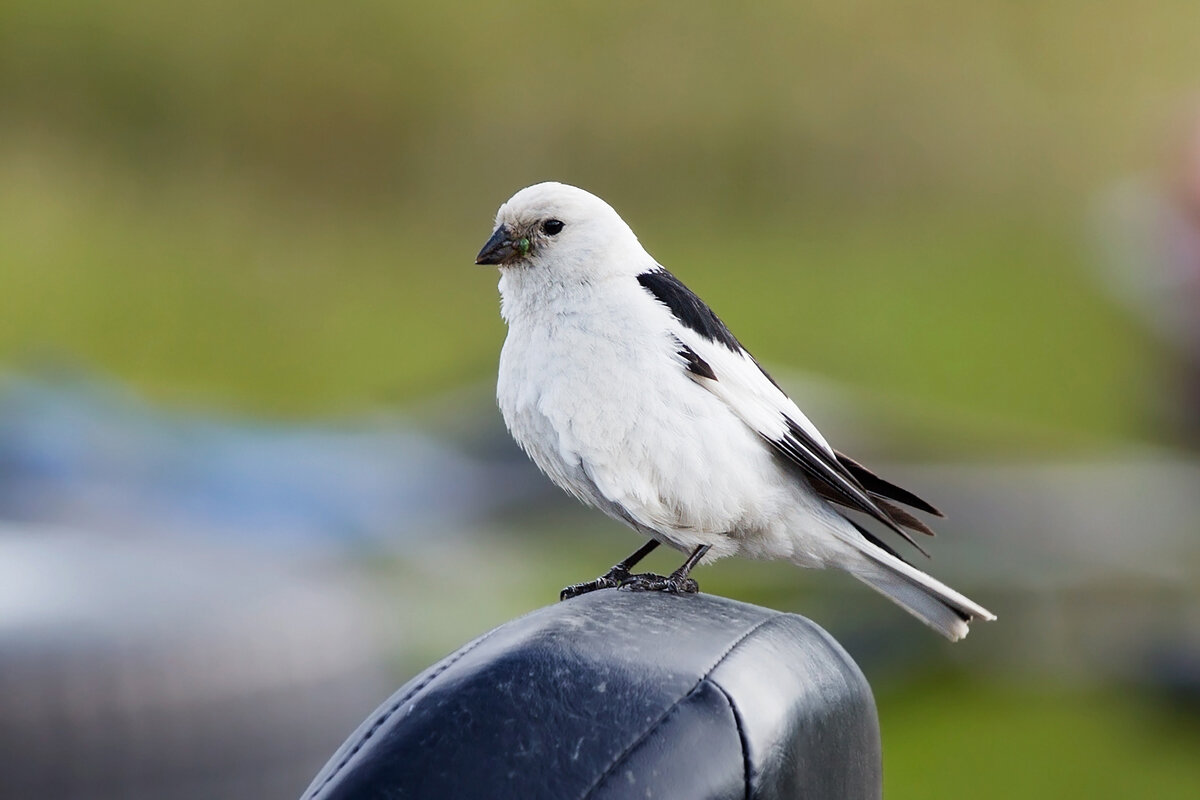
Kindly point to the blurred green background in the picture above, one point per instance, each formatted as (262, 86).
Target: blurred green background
(272, 208)
(271, 205)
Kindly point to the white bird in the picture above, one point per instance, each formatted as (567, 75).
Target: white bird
(631, 395)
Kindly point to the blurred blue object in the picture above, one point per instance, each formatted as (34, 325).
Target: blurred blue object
(145, 667)
(91, 455)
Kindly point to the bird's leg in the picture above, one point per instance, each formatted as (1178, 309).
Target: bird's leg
(677, 582)
(614, 577)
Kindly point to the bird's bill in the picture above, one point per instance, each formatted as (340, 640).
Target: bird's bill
(500, 249)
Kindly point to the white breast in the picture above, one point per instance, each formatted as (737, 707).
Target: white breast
(591, 387)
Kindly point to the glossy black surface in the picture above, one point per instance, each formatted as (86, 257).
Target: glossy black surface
(618, 694)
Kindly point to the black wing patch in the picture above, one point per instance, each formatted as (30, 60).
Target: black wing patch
(832, 480)
(689, 309)
(694, 313)
(841, 480)
(694, 363)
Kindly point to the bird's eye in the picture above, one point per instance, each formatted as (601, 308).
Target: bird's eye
(552, 227)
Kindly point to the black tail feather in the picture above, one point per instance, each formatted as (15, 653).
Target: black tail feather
(882, 488)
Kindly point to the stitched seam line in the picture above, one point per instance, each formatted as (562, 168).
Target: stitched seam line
(737, 721)
(385, 716)
(666, 714)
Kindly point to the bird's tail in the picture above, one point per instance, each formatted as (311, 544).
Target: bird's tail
(925, 597)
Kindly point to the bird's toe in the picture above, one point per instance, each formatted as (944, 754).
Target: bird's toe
(649, 582)
(610, 580)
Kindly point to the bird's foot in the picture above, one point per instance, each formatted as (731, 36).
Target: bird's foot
(612, 579)
(649, 582)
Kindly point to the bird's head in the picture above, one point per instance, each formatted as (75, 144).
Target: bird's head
(562, 230)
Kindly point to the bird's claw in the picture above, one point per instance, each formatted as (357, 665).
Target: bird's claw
(649, 582)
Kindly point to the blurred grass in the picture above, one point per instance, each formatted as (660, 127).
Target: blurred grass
(1020, 740)
(199, 291)
(193, 297)
(855, 104)
(275, 205)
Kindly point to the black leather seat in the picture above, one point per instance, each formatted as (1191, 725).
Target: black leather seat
(619, 694)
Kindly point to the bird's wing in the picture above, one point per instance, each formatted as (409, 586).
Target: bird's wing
(717, 361)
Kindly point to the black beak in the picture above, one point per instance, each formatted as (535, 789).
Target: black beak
(499, 249)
